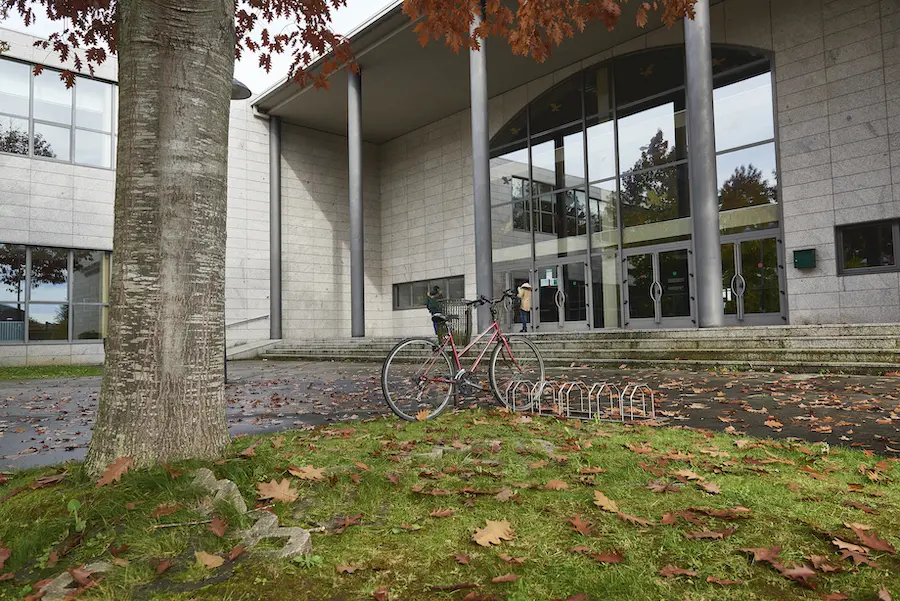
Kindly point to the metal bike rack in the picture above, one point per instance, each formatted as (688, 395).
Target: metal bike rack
(638, 393)
(607, 399)
(602, 401)
(519, 395)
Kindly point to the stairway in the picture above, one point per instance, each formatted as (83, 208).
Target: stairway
(860, 349)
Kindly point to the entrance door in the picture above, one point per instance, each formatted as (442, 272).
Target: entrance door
(659, 292)
(752, 282)
(561, 302)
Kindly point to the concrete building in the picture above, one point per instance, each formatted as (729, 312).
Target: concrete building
(622, 200)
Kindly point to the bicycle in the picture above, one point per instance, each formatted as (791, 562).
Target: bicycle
(425, 374)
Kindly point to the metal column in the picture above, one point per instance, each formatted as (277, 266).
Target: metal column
(357, 237)
(702, 165)
(481, 163)
(275, 228)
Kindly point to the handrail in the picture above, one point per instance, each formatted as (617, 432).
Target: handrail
(246, 321)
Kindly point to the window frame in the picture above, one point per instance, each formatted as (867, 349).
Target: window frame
(843, 270)
(27, 302)
(406, 288)
(112, 133)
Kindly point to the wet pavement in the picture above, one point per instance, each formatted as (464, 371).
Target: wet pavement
(45, 422)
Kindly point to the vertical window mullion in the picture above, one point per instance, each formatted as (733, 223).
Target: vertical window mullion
(896, 247)
(70, 286)
(27, 292)
(31, 112)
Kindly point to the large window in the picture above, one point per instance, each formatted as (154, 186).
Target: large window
(616, 134)
(412, 295)
(868, 247)
(53, 294)
(40, 117)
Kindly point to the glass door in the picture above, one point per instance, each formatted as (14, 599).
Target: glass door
(658, 290)
(562, 296)
(753, 282)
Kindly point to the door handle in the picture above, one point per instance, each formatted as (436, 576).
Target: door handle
(656, 291)
(742, 285)
(733, 287)
(560, 299)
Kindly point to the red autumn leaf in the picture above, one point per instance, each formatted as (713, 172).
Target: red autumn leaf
(800, 573)
(462, 558)
(163, 510)
(163, 566)
(218, 526)
(347, 521)
(116, 551)
(822, 563)
(580, 525)
(250, 451)
(506, 578)
(381, 593)
(769, 554)
(668, 519)
(115, 470)
(53, 558)
(723, 582)
(443, 513)
(608, 557)
(511, 560)
(81, 576)
(671, 571)
(236, 552)
(873, 542)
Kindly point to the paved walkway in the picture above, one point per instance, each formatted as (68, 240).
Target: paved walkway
(49, 421)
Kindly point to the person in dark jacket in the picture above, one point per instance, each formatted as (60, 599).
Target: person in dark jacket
(432, 303)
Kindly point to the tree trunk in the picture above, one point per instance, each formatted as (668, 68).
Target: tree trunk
(162, 396)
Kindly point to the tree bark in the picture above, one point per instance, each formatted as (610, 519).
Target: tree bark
(162, 396)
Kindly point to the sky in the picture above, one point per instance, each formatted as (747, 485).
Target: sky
(247, 70)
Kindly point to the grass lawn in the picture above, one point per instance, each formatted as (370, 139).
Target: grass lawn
(49, 371)
(797, 496)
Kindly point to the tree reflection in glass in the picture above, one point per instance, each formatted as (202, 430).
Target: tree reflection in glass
(652, 195)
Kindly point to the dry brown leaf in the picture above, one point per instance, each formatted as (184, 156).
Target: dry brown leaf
(633, 519)
(163, 510)
(348, 569)
(218, 526)
(236, 552)
(277, 442)
(511, 560)
(836, 596)
(250, 451)
(769, 554)
(773, 423)
(422, 415)
(80, 575)
(493, 533)
(710, 487)
(115, 471)
(443, 513)
(207, 560)
(706, 534)
(164, 565)
(580, 525)
(279, 492)
(120, 561)
(841, 544)
(556, 485)
(873, 542)
(608, 557)
(5, 553)
(307, 472)
(722, 581)
(884, 595)
(506, 578)
(537, 464)
(505, 494)
(605, 503)
(462, 558)
(687, 475)
(591, 470)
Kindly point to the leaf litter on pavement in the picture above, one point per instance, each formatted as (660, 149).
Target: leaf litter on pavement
(496, 516)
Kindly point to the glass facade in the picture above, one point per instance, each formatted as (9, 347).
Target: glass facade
(53, 294)
(594, 174)
(40, 117)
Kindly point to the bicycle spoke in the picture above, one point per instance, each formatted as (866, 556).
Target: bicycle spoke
(417, 380)
(519, 365)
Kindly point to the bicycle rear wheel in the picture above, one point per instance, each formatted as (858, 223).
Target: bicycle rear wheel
(417, 379)
(517, 368)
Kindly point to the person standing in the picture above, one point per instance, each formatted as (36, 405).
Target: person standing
(525, 304)
(433, 305)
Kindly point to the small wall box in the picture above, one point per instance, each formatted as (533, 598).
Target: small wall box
(805, 259)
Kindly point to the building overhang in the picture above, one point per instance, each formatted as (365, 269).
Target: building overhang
(407, 86)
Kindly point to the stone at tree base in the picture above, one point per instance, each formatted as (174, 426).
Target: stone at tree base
(222, 490)
(60, 588)
(266, 526)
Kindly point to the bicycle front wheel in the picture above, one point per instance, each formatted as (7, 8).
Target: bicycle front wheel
(417, 379)
(516, 368)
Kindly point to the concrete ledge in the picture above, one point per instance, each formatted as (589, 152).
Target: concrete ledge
(249, 350)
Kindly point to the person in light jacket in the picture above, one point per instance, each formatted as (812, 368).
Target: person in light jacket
(525, 304)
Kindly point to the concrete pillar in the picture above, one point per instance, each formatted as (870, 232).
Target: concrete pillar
(357, 265)
(275, 228)
(481, 162)
(702, 166)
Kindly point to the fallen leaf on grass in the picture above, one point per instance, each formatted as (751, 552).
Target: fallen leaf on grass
(586, 471)
(307, 472)
(493, 533)
(347, 521)
(163, 566)
(277, 442)
(164, 509)
(115, 471)
(45, 481)
(710, 487)
(861, 507)
(443, 513)
(580, 525)
(884, 595)
(172, 473)
(842, 544)
(348, 569)
(605, 503)
(835, 597)
(381, 593)
(393, 479)
(5, 553)
(873, 542)
(218, 526)
(81, 576)
(511, 560)
(822, 563)
(236, 552)
(250, 451)
(7, 576)
(723, 582)
(462, 586)
(537, 464)
(800, 573)
(580, 549)
(687, 475)
(635, 520)
(120, 561)
(711, 535)
(608, 557)
(422, 415)
(773, 423)
(858, 558)
(279, 492)
(556, 485)
(660, 487)
(462, 558)
(670, 571)
(506, 578)
(475, 596)
(207, 560)
(769, 554)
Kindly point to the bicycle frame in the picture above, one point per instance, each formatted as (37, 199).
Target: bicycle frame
(496, 335)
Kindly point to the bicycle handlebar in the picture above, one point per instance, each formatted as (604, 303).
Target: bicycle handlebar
(483, 300)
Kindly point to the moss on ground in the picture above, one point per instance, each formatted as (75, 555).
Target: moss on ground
(800, 496)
